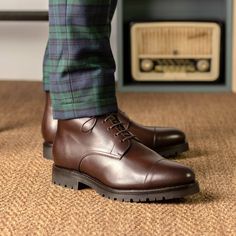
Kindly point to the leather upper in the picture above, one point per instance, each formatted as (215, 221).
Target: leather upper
(49, 125)
(152, 137)
(103, 149)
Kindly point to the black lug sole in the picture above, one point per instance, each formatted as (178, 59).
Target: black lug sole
(166, 152)
(76, 180)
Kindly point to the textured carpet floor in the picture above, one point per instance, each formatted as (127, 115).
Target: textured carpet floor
(31, 205)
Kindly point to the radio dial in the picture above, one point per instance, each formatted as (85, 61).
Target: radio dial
(159, 68)
(191, 68)
(147, 65)
(203, 65)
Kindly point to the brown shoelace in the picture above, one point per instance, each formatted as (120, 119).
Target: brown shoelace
(126, 135)
(115, 124)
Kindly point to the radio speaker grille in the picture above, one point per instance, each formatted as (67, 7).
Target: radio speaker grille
(175, 40)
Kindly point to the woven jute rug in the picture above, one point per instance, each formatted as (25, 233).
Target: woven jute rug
(31, 205)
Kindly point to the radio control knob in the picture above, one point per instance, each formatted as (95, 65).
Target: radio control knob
(203, 65)
(147, 65)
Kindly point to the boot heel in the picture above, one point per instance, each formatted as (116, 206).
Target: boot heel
(47, 151)
(64, 178)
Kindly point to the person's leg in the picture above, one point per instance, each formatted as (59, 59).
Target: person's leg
(80, 66)
(166, 141)
(46, 60)
(46, 70)
(91, 146)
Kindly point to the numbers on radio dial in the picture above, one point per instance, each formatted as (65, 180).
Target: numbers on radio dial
(175, 65)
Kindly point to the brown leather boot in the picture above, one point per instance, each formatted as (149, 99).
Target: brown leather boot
(165, 141)
(100, 153)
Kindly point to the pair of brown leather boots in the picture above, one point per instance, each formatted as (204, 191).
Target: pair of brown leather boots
(118, 158)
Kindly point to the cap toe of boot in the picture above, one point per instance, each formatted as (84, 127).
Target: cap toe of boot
(167, 173)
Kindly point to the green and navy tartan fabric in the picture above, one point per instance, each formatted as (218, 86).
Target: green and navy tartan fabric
(78, 65)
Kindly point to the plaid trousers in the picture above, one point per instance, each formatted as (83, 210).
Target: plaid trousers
(78, 67)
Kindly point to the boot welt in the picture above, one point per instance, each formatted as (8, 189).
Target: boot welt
(76, 180)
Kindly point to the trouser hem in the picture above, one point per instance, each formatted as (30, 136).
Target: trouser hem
(64, 114)
(46, 87)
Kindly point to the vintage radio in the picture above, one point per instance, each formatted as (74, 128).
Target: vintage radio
(175, 51)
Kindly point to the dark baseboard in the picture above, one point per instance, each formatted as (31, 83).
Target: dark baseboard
(23, 16)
